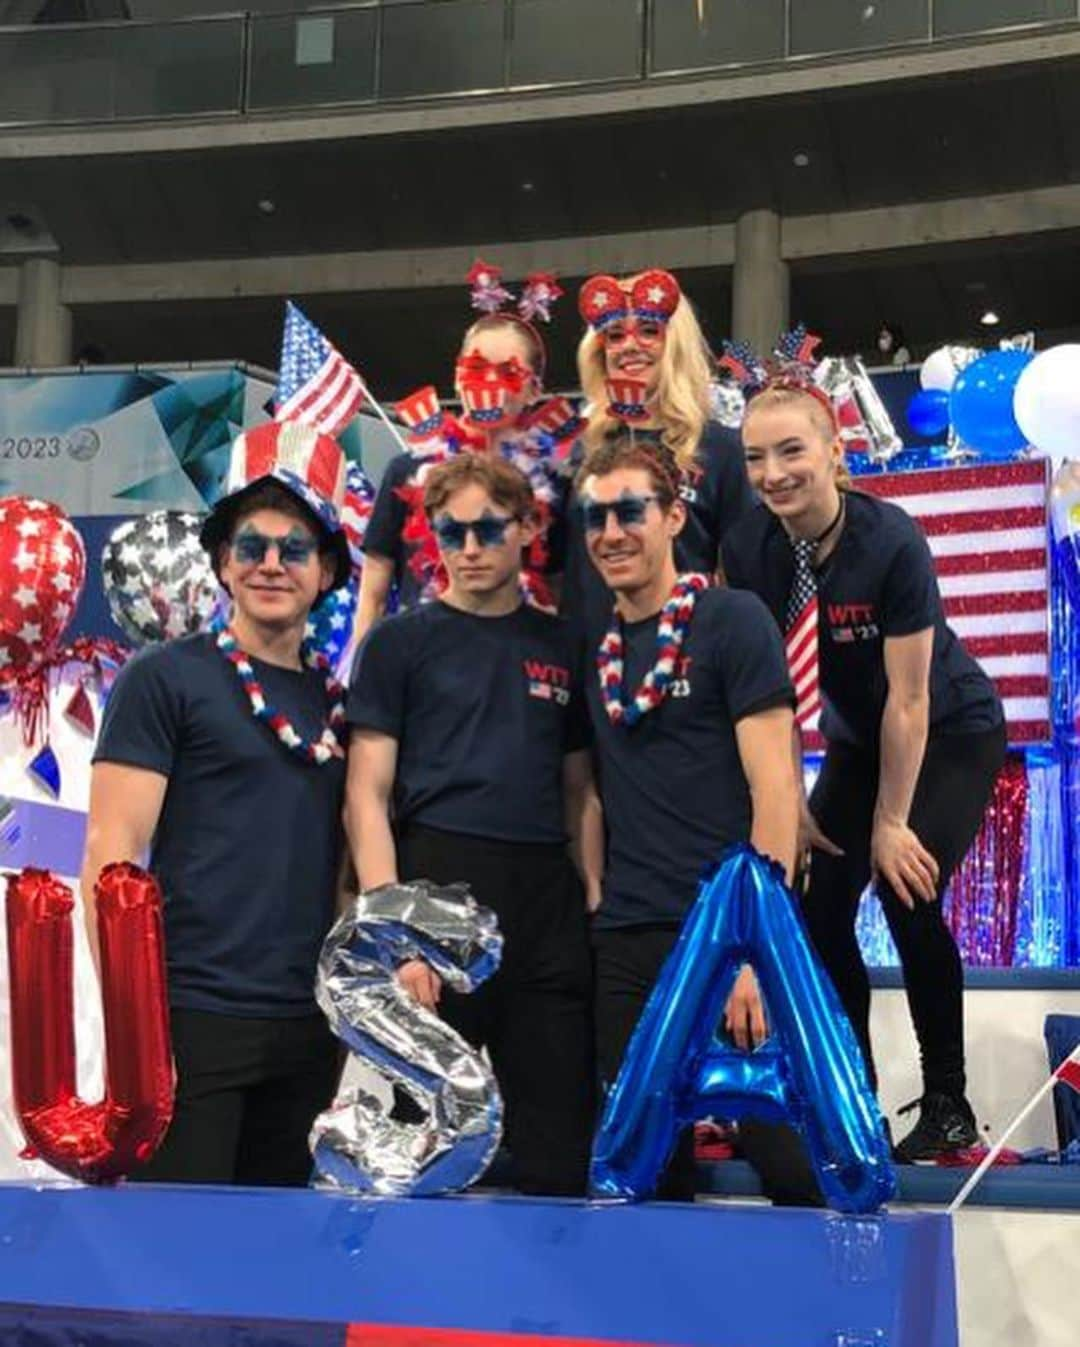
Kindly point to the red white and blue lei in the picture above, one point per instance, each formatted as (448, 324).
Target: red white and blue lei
(671, 633)
(330, 743)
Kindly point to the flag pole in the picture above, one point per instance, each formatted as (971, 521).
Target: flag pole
(384, 418)
(999, 1145)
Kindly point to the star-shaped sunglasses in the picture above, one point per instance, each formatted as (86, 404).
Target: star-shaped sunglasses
(629, 510)
(489, 531)
(294, 549)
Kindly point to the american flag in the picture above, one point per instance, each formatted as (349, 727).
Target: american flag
(986, 526)
(317, 386)
(801, 645)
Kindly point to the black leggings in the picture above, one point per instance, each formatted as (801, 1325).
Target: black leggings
(533, 1016)
(951, 794)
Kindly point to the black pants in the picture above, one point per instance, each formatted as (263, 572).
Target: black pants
(951, 794)
(247, 1092)
(533, 1014)
(628, 961)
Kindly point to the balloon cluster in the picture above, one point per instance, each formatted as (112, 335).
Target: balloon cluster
(999, 402)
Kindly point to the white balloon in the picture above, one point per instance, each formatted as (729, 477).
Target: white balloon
(938, 370)
(1046, 402)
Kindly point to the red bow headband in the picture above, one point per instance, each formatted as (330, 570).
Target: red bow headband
(653, 297)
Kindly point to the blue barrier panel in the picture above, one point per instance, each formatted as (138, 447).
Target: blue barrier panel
(507, 1270)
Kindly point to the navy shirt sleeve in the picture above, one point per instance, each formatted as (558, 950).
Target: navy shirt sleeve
(735, 495)
(750, 658)
(378, 691)
(141, 726)
(389, 513)
(909, 592)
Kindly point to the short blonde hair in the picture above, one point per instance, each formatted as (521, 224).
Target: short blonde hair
(682, 388)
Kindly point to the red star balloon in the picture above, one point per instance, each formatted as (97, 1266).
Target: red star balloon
(42, 569)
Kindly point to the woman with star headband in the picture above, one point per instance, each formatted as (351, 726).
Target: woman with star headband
(913, 730)
(499, 377)
(645, 366)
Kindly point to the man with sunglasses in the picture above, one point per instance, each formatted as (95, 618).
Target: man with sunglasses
(468, 761)
(221, 755)
(691, 716)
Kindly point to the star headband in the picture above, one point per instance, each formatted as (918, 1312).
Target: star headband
(491, 298)
(791, 367)
(652, 297)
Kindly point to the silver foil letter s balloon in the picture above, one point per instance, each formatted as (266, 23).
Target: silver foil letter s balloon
(157, 578)
(454, 1107)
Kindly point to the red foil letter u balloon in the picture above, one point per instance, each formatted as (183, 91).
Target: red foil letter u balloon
(94, 1142)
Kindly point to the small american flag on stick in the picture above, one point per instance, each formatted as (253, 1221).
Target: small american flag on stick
(317, 386)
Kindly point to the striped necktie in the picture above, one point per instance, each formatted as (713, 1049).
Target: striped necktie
(801, 636)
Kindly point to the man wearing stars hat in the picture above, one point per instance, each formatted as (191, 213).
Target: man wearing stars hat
(221, 756)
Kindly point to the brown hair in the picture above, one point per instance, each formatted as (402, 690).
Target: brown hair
(625, 450)
(785, 396)
(506, 485)
(494, 322)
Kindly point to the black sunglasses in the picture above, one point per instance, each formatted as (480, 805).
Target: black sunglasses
(628, 510)
(294, 549)
(489, 531)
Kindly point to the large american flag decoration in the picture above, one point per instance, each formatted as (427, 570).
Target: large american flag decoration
(317, 386)
(986, 526)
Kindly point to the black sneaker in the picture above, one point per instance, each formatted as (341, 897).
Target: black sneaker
(946, 1123)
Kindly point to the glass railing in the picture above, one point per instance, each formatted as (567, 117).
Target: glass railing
(373, 52)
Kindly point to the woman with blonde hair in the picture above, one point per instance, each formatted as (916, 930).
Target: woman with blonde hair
(644, 364)
(914, 731)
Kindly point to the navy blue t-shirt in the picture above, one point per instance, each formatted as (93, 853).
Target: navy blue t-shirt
(249, 841)
(878, 581)
(483, 709)
(673, 787)
(386, 525)
(716, 493)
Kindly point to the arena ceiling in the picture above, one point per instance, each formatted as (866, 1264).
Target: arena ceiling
(1001, 131)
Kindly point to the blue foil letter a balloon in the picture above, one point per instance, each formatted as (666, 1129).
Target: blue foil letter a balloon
(809, 1072)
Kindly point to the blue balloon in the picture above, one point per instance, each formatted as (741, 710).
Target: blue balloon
(809, 1072)
(981, 403)
(928, 412)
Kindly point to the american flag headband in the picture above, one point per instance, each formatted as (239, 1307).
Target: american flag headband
(790, 368)
(491, 298)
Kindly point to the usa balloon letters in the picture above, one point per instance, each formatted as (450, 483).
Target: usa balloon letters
(453, 1109)
(809, 1073)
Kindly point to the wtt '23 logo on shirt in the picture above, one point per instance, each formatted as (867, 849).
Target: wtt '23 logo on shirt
(548, 682)
(680, 683)
(850, 622)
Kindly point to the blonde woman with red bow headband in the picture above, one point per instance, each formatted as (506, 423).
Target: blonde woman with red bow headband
(644, 364)
(499, 377)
